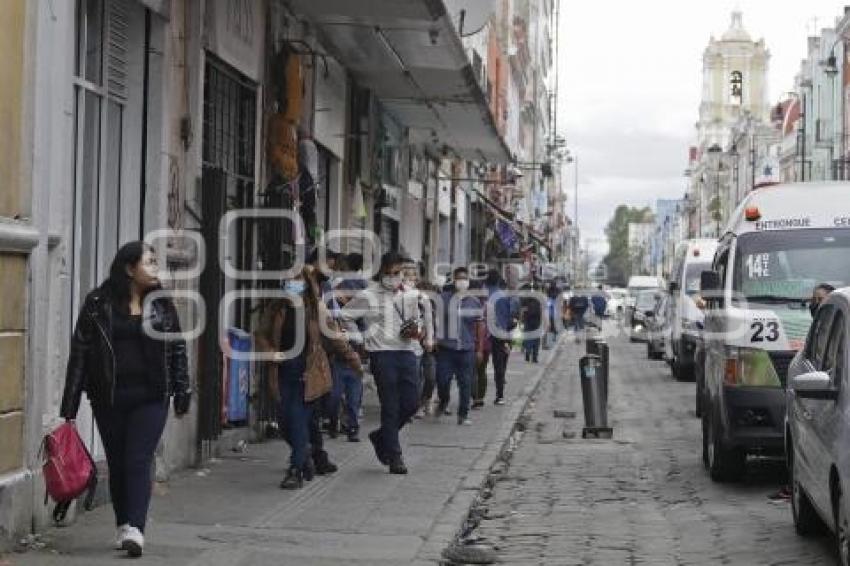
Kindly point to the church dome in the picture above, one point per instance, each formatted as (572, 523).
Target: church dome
(736, 31)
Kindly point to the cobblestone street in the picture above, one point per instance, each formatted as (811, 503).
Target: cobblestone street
(643, 498)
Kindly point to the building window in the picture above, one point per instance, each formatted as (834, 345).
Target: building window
(100, 90)
(736, 88)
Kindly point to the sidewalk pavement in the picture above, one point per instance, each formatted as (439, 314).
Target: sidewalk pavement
(233, 513)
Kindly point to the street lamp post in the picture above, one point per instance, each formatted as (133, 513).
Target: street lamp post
(572, 158)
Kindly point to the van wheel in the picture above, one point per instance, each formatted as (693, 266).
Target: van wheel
(724, 464)
(806, 519)
(842, 530)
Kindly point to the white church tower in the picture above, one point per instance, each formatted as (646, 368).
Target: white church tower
(734, 84)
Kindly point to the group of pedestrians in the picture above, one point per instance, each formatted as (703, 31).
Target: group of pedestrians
(418, 340)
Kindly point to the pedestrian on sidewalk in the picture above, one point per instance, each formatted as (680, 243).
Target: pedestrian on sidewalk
(428, 376)
(459, 344)
(498, 328)
(348, 384)
(394, 326)
(479, 377)
(304, 374)
(128, 375)
(532, 324)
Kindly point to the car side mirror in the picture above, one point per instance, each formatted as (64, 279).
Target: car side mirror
(709, 281)
(814, 385)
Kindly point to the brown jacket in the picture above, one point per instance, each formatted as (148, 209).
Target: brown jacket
(317, 377)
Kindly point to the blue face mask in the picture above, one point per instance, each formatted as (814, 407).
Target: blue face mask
(295, 286)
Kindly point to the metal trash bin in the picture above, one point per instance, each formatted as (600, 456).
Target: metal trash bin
(594, 397)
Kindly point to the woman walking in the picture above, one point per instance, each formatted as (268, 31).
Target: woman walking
(128, 375)
(304, 374)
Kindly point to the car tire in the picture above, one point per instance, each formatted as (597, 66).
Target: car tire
(842, 530)
(725, 465)
(650, 355)
(806, 519)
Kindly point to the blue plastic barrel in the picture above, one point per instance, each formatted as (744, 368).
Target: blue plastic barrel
(239, 376)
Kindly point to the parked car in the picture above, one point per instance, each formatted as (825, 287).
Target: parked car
(637, 285)
(817, 427)
(645, 304)
(658, 328)
(780, 242)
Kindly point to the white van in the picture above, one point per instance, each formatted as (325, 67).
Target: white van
(638, 283)
(686, 319)
(780, 243)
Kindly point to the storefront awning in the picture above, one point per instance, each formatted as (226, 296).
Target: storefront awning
(410, 55)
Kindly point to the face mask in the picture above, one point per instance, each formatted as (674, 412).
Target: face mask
(295, 286)
(408, 285)
(462, 285)
(391, 282)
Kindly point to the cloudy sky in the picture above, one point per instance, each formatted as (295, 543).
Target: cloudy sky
(630, 84)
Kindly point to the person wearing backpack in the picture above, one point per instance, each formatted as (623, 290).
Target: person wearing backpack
(129, 371)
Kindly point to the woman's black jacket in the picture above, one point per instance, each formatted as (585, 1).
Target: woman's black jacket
(91, 364)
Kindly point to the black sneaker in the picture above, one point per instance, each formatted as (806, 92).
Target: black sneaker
(376, 444)
(309, 471)
(324, 466)
(353, 436)
(294, 479)
(477, 404)
(499, 401)
(397, 466)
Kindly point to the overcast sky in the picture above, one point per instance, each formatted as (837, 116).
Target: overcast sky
(630, 84)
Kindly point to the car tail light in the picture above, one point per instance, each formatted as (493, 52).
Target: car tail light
(749, 367)
(731, 374)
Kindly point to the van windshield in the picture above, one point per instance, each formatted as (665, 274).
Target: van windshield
(693, 272)
(786, 266)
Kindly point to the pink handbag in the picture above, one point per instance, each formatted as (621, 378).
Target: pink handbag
(68, 469)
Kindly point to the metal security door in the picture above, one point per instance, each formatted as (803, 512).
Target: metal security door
(229, 130)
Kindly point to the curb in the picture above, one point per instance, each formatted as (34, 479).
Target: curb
(453, 518)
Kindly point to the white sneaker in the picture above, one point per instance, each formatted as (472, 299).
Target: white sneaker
(120, 533)
(134, 542)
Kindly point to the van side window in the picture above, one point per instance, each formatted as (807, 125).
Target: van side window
(819, 336)
(833, 362)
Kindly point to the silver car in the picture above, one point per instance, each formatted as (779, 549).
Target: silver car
(817, 428)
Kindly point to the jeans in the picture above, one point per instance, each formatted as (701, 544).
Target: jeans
(298, 419)
(130, 434)
(397, 380)
(351, 389)
(458, 364)
(500, 352)
(578, 320)
(532, 349)
(479, 384)
(429, 377)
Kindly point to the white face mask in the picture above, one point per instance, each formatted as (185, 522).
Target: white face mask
(391, 282)
(409, 285)
(462, 285)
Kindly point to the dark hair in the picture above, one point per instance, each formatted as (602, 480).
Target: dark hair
(117, 285)
(355, 261)
(389, 259)
(493, 277)
(459, 271)
(825, 287)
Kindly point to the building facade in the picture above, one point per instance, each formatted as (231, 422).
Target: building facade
(170, 120)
